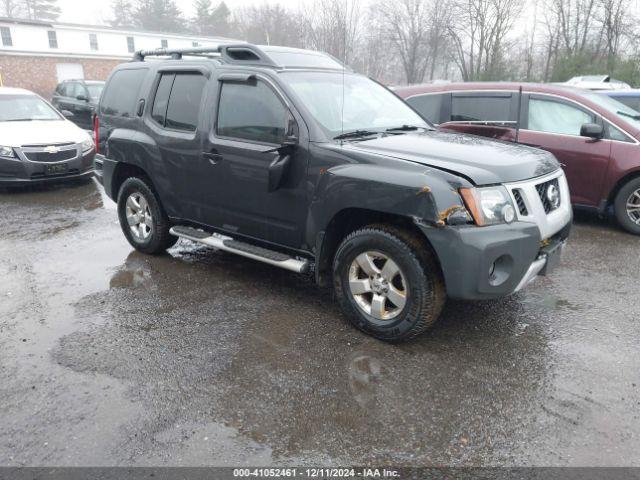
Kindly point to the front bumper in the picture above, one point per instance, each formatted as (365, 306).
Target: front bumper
(20, 171)
(480, 263)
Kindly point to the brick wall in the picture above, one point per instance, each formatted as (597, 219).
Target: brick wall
(38, 74)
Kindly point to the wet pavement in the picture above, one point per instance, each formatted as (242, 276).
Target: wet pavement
(110, 357)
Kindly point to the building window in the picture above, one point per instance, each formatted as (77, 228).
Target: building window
(5, 32)
(131, 45)
(164, 43)
(93, 41)
(195, 44)
(53, 39)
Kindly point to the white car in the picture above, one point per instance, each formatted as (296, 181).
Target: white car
(597, 82)
(37, 143)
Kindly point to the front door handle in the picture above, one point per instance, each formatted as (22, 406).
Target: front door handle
(212, 157)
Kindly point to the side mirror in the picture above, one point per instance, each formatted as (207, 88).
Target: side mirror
(82, 98)
(279, 167)
(291, 132)
(592, 130)
(66, 113)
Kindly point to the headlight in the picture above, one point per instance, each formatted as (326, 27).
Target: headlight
(6, 152)
(87, 145)
(489, 205)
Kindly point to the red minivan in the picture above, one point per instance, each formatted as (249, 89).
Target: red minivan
(596, 138)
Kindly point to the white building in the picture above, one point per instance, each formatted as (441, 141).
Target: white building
(37, 55)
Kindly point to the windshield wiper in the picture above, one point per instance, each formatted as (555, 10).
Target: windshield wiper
(18, 120)
(355, 134)
(625, 114)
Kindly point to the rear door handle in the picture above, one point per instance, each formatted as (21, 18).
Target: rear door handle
(212, 157)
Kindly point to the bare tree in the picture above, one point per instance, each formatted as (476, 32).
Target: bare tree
(407, 27)
(614, 18)
(12, 8)
(333, 27)
(479, 35)
(270, 24)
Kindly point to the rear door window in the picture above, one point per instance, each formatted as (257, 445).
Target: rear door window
(161, 99)
(184, 101)
(251, 112)
(122, 92)
(428, 105)
(552, 116)
(481, 107)
(176, 104)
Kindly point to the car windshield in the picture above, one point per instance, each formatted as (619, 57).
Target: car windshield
(368, 106)
(95, 89)
(618, 109)
(23, 108)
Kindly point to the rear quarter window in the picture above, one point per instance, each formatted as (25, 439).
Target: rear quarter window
(122, 92)
(428, 105)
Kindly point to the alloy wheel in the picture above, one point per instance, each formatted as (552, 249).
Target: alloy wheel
(139, 216)
(633, 207)
(378, 285)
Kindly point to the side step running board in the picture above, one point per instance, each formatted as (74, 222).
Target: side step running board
(228, 244)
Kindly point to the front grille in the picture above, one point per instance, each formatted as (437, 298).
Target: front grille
(522, 208)
(550, 201)
(46, 157)
(42, 145)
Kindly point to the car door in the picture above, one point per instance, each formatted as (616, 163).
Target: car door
(79, 105)
(252, 120)
(61, 99)
(57, 96)
(173, 123)
(552, 123)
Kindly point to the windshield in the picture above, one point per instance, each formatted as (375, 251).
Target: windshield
(21, 108)
(367, 105)
(95, 89)
(618, 109)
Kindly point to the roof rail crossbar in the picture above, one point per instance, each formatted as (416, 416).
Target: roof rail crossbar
(175, 53)
(233, 53)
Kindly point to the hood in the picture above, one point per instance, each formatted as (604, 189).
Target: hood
(16, 134)
(482, 160)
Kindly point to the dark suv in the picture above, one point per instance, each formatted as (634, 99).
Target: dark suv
(283, 156)
(80, 97)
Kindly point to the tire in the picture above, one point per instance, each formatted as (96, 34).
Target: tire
(628, 218)
(155, 237)
(419, 278)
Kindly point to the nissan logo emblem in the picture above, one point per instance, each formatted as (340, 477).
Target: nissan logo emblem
(553, 195)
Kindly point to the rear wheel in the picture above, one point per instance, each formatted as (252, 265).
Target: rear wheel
(388, 283)
(627, 206)
(142, 218)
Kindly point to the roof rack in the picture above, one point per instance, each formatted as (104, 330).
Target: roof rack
(251, 55)
(244, 53)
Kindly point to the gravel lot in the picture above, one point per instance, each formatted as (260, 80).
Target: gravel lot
(110, 357)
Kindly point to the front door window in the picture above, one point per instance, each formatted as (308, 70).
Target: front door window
(557, 117)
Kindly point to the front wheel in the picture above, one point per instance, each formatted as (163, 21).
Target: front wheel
(387, 283)
(142, 218)
(627, 206)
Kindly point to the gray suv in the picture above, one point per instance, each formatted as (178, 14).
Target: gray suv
(286, 157)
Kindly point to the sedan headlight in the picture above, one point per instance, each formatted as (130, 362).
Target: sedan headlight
(87, 145)
(7, 152)
(489, 205)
